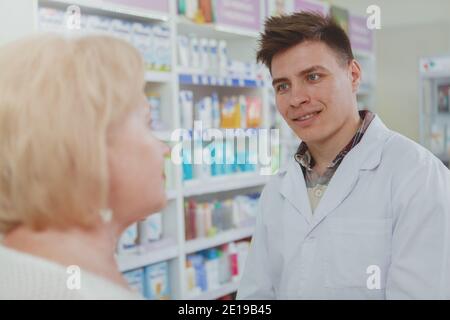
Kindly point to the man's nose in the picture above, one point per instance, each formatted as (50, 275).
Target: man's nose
(299, 96)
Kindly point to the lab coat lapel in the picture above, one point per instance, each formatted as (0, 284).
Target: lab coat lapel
(340, 186)
(364, 156)
(293, 188)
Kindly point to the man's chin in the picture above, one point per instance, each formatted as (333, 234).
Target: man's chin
(307, 136)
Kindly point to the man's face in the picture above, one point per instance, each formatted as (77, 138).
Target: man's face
(315, 93)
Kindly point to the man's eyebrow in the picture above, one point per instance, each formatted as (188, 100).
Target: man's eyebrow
(277, 80)
(303, 72)
(312, 69)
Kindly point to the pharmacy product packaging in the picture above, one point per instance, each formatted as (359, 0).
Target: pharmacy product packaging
(122, 29)
(194, 52)
(156, 281)
(187, 108)
(128, 241)
(183, 50)
(142, 40)
(151, 229)
(135, 280)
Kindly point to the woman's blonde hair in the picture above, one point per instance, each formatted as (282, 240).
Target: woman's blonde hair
(59, 97)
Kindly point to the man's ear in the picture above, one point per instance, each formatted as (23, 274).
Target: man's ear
(355, 74)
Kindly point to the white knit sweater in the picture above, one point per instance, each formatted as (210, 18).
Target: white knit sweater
(23, 276)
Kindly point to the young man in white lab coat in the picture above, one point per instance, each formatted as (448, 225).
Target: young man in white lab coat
(360, 212)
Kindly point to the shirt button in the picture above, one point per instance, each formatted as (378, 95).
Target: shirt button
(318, 193)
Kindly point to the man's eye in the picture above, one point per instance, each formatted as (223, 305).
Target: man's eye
(282, 87)
(313, 77)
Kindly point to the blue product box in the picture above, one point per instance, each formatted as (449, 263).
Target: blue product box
(156, 281)
(135, 280)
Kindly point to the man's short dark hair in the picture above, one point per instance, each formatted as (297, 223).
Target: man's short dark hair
(285, 31)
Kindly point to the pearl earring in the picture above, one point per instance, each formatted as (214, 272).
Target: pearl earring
(106, 215)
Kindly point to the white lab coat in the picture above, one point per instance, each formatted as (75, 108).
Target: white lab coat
(380, 231)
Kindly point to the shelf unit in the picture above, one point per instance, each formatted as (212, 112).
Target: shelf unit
(221, 238)
(171, 194)
(173, 247)
(242, 45)
(112, 8)
(435, 123)
(158, 77)
(215, 30)
(217, 293)
(202, 79)
(223, 183)
(155, 252)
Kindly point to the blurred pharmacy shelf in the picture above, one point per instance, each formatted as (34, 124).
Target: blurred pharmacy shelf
(158, 251)
(112, 8)
(217, 293)
(162, 135)
(231, 72)
(186, 26)
(171, 194)
(224, 237)
(211, 80)
(434, 106)
(158, 77)
(223, 183)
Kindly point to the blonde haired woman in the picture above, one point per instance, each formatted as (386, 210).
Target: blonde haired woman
(78, 164)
